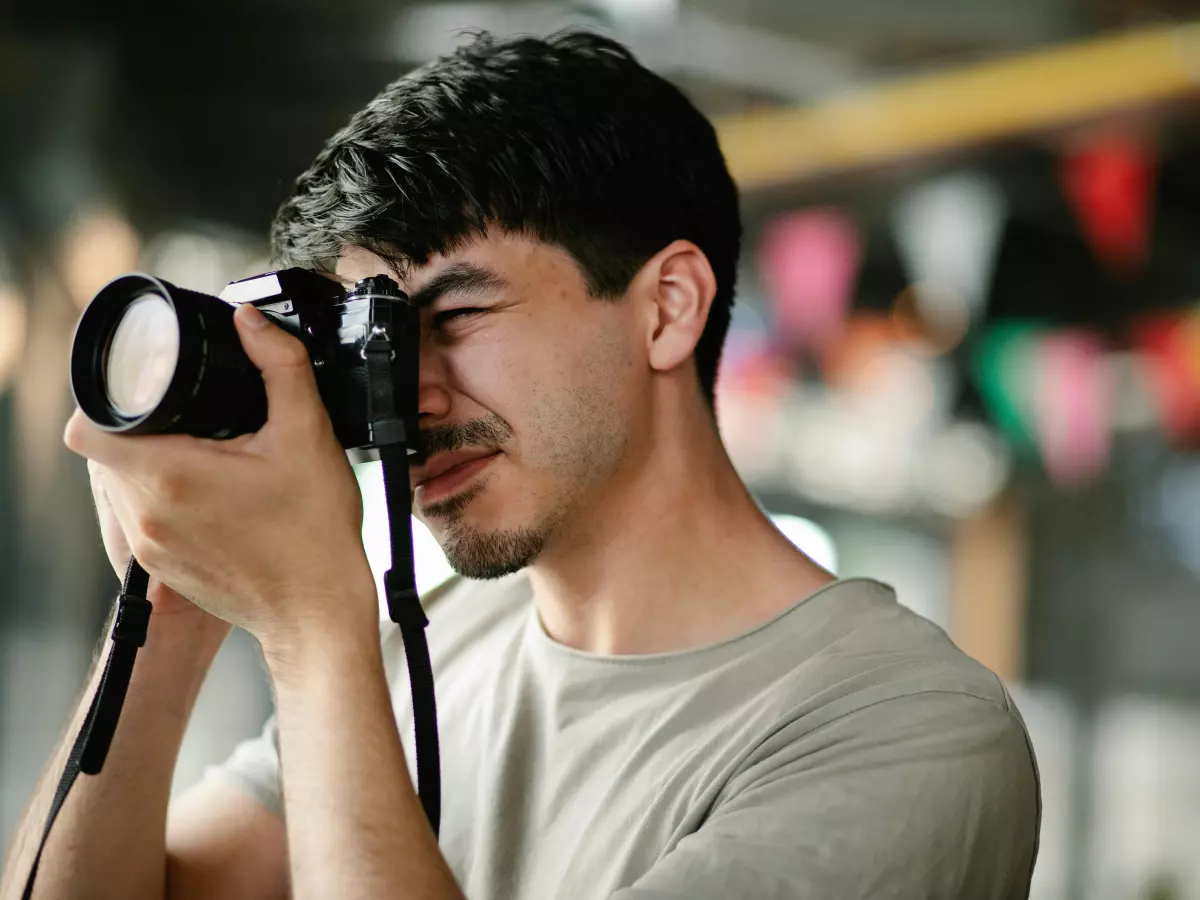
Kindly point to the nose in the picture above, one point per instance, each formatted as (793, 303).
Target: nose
(433, 392)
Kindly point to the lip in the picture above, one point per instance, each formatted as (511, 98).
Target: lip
(447, 473)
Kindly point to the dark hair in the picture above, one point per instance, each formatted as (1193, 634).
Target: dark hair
(568, 139)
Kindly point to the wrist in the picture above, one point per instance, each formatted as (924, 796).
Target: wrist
(176, 619)
(344, 630)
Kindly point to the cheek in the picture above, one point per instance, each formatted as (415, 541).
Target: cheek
(565, 391)
(577, 409)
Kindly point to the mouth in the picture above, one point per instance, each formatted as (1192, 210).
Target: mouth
(445, 475)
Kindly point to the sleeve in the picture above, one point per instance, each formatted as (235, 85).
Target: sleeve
(254, 768)
(931, 796)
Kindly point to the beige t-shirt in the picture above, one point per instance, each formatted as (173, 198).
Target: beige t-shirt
(844, 749)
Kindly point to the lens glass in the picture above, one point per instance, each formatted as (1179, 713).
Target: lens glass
(142, 355)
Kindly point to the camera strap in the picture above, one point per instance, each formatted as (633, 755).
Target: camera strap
(403, 603)
(90, 749)
(404, 608)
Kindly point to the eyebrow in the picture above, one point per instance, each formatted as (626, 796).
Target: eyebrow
(460, 278)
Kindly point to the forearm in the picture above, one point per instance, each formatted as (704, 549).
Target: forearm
(109, 838)
(356, 828)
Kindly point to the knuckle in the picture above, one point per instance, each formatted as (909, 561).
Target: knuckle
(170, 487)
(73, 434)
(299, 353)
(152, 529)
(294, 353)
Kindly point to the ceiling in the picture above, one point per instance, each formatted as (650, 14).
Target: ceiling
(206, 109)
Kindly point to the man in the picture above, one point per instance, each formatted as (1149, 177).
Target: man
(644, 690)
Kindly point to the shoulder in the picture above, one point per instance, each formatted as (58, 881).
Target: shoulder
(854, 668)
(867, 647)
(883, 688)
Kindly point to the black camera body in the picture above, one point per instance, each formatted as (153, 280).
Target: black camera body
(214, 391)
(336, 327)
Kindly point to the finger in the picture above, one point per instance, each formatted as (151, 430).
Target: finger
(292, 396)
(122, 452)
(123, 512)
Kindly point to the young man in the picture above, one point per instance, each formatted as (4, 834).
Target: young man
(644, 690)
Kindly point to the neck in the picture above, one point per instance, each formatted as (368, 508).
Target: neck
(674, 555)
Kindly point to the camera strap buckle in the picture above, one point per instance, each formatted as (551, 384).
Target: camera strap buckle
(132, 620)
(404, 604)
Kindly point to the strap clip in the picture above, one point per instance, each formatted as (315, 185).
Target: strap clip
(404, 604)
(132, 620)
(378, 341)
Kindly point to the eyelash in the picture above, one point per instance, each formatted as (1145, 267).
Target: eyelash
(449, 315)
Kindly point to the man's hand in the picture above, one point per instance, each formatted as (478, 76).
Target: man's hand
(263, 531)
(168, 604)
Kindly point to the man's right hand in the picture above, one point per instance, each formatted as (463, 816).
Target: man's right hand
(167, 602)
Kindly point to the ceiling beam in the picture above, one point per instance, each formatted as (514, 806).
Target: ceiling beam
(961, 107)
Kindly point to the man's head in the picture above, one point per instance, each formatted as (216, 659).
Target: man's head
(580, 204)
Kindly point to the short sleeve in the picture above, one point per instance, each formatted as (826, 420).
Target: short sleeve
(254, 767)
(930, 796)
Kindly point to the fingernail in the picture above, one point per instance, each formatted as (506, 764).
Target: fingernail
(252, 316)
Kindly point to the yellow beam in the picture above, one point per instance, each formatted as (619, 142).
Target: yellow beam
(955, 108)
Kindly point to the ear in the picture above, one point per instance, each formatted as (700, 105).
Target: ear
(679, 285)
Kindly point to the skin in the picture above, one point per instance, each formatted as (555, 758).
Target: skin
(610, 486)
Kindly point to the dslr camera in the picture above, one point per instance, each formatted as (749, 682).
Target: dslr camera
(152, 358)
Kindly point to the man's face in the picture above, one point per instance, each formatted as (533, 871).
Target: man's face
(528, 394)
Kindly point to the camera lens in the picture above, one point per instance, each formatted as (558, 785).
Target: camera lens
(141, 356)
(152, 358)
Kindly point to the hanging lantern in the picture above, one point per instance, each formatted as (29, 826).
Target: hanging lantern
(1072, 406)
(1006, 368)
(1169, 349)
(809, 264)
(948, 234)
(1109, 181)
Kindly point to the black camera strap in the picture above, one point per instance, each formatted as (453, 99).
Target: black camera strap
(404, 605)
(90, 749)
(404, 608)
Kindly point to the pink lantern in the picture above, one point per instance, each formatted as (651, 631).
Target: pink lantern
(1072, 403)
(809, 262)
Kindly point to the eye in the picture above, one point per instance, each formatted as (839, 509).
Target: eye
(444, 318)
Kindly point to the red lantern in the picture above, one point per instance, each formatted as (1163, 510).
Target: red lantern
(1109, 180)
(1169, 346)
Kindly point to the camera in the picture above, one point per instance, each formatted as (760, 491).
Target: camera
(152, 358)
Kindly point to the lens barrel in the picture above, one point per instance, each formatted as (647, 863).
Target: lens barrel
(214, 392)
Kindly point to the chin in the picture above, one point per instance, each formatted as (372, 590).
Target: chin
(492, 553)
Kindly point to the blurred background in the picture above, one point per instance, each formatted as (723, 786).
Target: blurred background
(965, 359)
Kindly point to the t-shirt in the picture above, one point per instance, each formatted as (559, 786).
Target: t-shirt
(844, 749)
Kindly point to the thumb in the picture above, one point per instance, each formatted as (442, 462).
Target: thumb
(283, 361)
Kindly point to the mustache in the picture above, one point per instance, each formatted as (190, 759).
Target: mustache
(489, 432)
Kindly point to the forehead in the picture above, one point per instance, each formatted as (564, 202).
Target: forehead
(517, 258)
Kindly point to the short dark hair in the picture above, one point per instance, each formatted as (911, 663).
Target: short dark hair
(568, 139)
